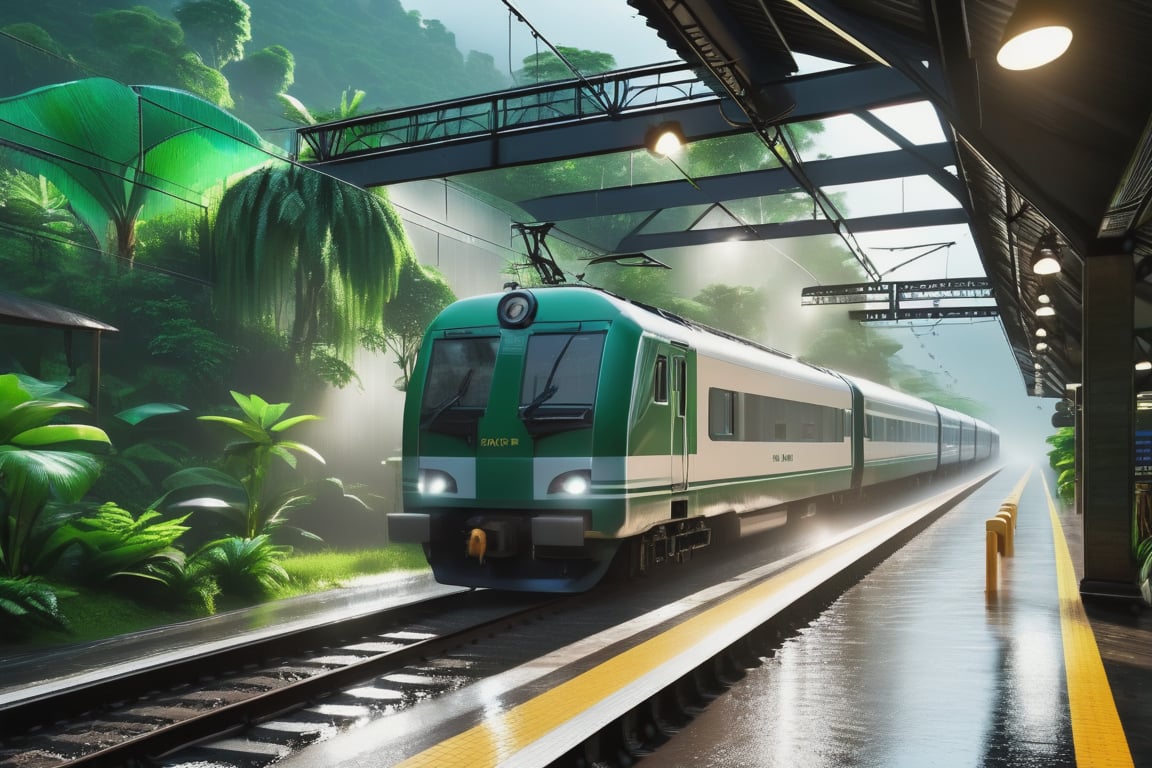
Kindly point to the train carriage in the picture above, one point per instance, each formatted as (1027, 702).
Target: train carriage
(544, 428)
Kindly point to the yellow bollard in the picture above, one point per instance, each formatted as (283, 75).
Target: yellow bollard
(1009, 549)
(1010, 508)
(996, 529)
(991, 561)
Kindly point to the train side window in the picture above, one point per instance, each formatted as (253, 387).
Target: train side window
(721, 414)
(679, 368)
(660, 380)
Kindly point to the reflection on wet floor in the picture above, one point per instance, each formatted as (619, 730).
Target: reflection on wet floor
(912, 667)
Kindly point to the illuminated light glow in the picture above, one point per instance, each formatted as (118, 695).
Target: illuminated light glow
(1042, 346)
(1144, 365)
(1044, 298)
(576, 485)
(1045, 311)
(1038, 366)
(1035, 47)
(667, 144)
(1046, 264)
(1041, 332)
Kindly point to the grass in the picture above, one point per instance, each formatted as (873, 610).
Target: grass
(95, 614)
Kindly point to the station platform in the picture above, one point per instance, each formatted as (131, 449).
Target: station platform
(916, 665)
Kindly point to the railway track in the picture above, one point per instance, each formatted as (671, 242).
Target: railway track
(384, 660)
(252, 705)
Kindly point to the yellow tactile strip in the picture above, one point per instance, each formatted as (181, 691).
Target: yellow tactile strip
(507, 737)
(1097, 735)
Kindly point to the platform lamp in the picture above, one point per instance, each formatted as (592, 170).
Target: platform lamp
(1046, 255)
(665, 139)
(1037, 33)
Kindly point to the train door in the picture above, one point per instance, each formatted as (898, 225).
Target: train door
(679, 403)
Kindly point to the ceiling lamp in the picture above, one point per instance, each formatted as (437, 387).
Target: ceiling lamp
(665, 139)
(1144, 365)
(1044, 298)
(1037, 32)
(1042, 346)
(1041, 333)
(1046, 311)
(1046, 255)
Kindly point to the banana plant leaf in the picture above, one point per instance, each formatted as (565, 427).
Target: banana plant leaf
(114, 151)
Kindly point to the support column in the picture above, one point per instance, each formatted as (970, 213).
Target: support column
(1109, 403)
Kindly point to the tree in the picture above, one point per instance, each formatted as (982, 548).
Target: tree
(217, 29)
(738, 309)
(139, 46)
(85, 137)
(854, 350)
(421, 294)
(307, 255)
(546, 67)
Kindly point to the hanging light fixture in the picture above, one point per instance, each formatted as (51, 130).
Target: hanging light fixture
(665, 139)
(1044, 298)
(1046, 255)
(1042, 346)
(1046, 310)
(1037, 32)
(1144, 365)
(1041, 333)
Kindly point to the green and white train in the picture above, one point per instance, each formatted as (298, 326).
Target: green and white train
(546, 428)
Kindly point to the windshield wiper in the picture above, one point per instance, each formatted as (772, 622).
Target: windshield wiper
(438, 410)
(550, 389)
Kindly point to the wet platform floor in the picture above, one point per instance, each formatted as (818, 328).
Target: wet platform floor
(916, 666)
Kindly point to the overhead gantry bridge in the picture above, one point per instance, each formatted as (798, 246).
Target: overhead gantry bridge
(612, 112)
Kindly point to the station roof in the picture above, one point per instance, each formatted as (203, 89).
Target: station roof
(1063, 150)
(1065, 147)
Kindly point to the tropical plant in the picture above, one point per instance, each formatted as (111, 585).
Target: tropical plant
(186, 582)
(40, 460)
(245, 566)
(1062, 458)
(250, 458)
(114, 543)
(308, 255)
(86, 138)
(28, 603)
(422, 293)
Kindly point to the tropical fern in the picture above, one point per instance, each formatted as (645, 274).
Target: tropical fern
(26, 604)
(248, 568)
(118, 544)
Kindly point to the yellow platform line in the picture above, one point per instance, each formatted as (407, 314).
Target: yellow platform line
(504, 734)
(1097, 735)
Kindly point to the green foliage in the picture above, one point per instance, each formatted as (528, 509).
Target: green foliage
(246, 567)
(738, 309)
(138, 45)
(26, 604)
(85, 138)
(546, 67)
(324, 271)
(40, 460)
(421, 294)
(250, 459)
(217, 29)
(116, 544)
(854, 350)
(1062, 458)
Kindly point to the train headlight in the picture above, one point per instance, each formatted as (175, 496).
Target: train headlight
(435, 482)
(516, 309)
(575, 483)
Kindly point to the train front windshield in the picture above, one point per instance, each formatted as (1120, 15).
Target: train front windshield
(459, 381)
